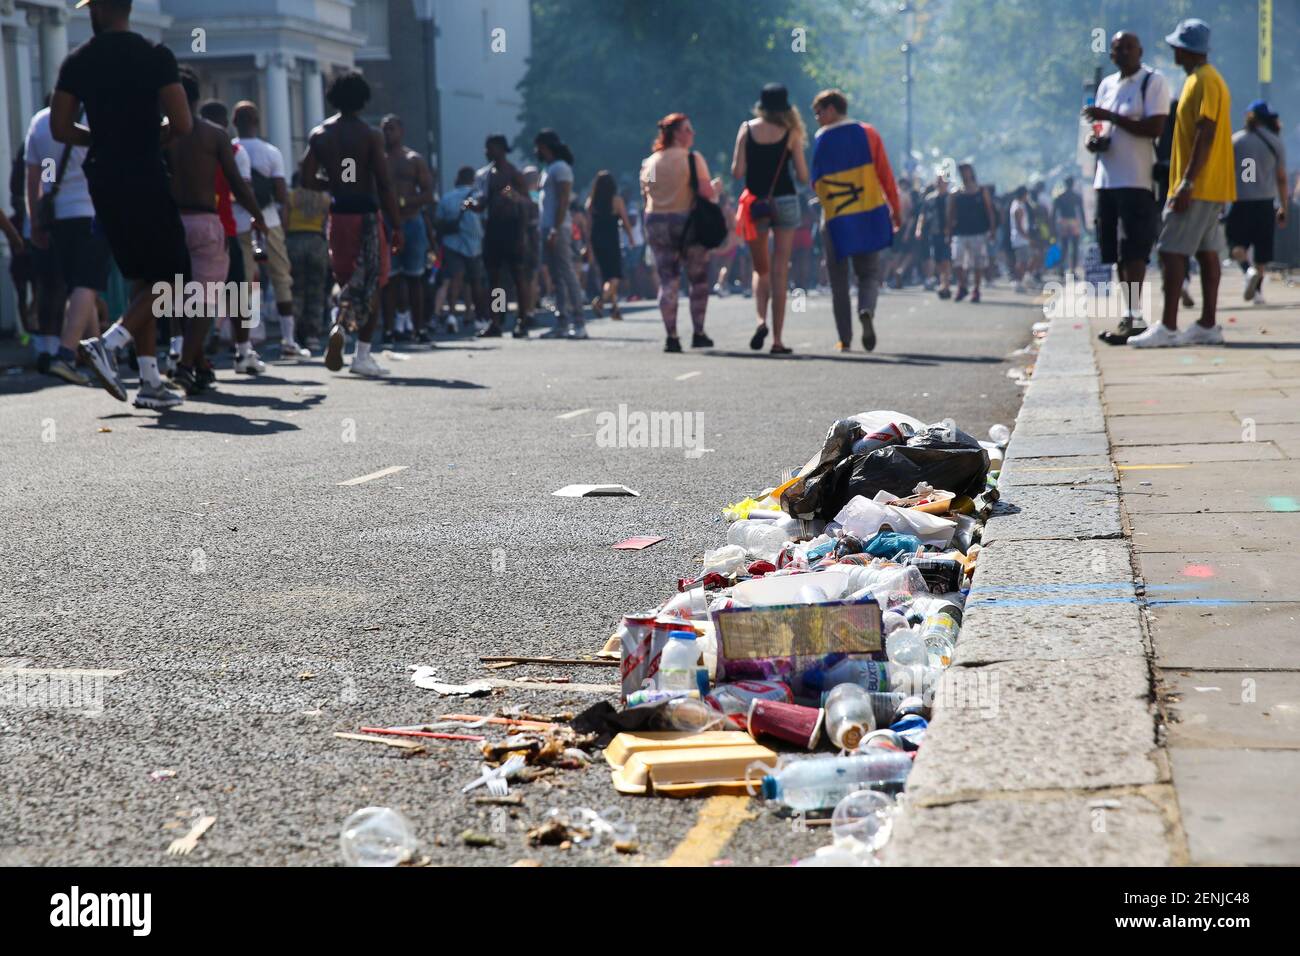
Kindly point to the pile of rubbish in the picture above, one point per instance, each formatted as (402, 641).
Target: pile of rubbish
(822, 624)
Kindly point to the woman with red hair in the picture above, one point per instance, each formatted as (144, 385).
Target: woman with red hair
(668, 190)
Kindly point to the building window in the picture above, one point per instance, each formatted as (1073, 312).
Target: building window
(370, 17)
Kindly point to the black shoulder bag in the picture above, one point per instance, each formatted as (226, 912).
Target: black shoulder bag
(706, 225)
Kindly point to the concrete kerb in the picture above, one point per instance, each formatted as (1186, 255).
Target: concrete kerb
(1044, 746)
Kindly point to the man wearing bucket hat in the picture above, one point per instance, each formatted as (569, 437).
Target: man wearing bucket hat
(1203, 180)
(1261, 180)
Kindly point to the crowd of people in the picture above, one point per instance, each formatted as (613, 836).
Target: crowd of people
(130, 184)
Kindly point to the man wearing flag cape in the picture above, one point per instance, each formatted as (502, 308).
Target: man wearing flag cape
(860, 212)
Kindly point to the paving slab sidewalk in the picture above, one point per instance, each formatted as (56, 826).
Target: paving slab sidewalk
(1206, 442)
(1044, 748)
(1126, 689)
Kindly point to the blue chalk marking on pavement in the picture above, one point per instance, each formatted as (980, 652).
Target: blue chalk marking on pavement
(1091, 602)
(1049, 588)
(1283, 504)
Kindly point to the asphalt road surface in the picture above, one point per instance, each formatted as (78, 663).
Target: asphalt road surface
(246, 605)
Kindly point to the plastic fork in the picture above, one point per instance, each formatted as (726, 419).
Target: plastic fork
(496, 779)
(183, 846)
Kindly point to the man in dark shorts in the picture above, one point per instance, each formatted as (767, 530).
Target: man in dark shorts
(1131, 106)
(1260, 209)
(931, 228)
(194, 161)
(413, 183)
(350, 152)
(500, 190)
(71, 240)
(128, 85)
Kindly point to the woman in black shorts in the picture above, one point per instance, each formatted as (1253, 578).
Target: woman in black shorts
(607, 211)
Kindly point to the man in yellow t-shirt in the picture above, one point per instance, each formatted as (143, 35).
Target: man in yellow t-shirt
(1202, 177)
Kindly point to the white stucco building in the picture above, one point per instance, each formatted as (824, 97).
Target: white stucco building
(450, 67)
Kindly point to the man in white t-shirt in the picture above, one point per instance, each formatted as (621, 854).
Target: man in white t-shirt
(272, 191)
(1019, 235)
(80, 252)
(1131, 107)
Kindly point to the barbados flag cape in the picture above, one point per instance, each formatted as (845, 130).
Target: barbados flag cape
(848, 166)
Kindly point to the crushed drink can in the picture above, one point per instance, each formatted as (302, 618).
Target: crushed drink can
(640, 645)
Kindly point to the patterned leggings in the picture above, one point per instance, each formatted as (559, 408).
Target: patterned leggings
(358, 295)
(664, 233)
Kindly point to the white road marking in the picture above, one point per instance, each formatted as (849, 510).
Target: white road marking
(57, 672)
(573, 414)
(685, 375)
(382, 473)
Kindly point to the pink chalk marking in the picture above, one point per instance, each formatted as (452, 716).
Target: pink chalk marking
(1199, 571)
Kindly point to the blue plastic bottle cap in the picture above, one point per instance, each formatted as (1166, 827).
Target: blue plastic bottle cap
(771, 787)
(681, 635)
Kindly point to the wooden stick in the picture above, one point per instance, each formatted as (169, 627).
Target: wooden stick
(501, 721)
(417, 733)
(401, 744)
(599, 662)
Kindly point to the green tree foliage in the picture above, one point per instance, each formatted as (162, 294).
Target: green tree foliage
(603, 72)
(998, 80)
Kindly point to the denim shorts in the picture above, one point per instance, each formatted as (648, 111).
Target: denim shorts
(785, 213)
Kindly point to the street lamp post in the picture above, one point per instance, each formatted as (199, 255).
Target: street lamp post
(424, 12)
(909, 10)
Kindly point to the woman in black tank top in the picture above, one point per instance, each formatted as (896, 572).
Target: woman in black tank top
(768, 156)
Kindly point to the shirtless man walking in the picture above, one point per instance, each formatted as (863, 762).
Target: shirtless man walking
(194, 161)
(500, 191)
(350, 153)
(404, 299)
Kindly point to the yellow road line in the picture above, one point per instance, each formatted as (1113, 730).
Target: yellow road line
(1148, 467)
(717, 822)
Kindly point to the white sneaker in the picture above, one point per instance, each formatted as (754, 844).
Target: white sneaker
(250, 364)
(578, 331)
(1197, 334)
(367, 366)
(292, 350)
(1254, 279)
(1259, 299)
(1159, 336)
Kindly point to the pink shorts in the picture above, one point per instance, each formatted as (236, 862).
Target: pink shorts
(209, 253)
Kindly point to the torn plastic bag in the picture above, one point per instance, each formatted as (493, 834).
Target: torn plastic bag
(944, 457)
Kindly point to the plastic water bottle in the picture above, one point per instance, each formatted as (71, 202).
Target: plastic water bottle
(906, 646)
(939, 633)
(1000, 435)
(679, 664)
(872, 676)
(819, 783)
(377, 836)
(850, 715)
(760, 539)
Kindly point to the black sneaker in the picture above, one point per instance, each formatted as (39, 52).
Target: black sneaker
(756, 340)
(493, 331)
(187, 379)
(206, 375)
(961, 294)
(672, 344)
(868, 329)
(522, 325)
(945, 293)
(701, 341)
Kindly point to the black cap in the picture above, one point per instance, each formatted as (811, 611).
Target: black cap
(775, 98)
